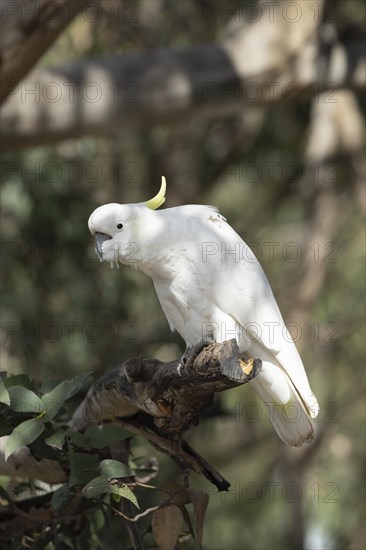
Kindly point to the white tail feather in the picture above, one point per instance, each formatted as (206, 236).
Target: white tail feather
(288, 412)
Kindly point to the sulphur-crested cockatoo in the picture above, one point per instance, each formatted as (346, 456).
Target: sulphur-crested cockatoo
(210, 284)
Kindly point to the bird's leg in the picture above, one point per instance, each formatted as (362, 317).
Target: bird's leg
(192, 352)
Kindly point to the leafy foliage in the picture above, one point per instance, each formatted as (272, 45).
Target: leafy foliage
(93, 483)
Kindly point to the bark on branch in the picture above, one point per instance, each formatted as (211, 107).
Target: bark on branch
(28, 28)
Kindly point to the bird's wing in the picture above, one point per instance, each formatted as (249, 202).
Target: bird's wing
(236, 283)
(166, 304)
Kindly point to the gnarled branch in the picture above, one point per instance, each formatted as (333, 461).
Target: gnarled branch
(172, 393)
(163, 400)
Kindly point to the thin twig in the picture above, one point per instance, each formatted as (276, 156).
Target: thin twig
(138, 516)
(143, 485)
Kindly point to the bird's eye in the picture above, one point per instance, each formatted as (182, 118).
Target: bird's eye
(119, 225)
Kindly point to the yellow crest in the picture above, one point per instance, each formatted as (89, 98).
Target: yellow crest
(159, 199)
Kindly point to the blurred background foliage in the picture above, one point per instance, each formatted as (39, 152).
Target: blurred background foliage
(64, 313)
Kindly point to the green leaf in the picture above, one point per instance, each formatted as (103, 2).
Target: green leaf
(124, 492)
(54, 400)
(99, 521)
(20, 380)
(112, 469)
(61, 498)
(100, 486)
(83, 468)
(4, 394)
(79, 382)
(24, 400)
(57, 439)
(96, 487)
(106, 434)
(79, 440)
(49, 385)
(22, 435)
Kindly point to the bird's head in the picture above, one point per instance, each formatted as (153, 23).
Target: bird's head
(118, 228)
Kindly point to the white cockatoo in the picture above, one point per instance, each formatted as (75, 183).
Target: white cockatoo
(211, 286)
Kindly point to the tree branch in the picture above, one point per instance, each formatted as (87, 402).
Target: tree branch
(163, 400)
(171, 393)
(252, 66)
(28, 28)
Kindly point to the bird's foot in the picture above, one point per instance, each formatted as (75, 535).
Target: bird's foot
(191, 352)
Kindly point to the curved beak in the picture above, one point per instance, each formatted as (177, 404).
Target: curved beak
(99, 240)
